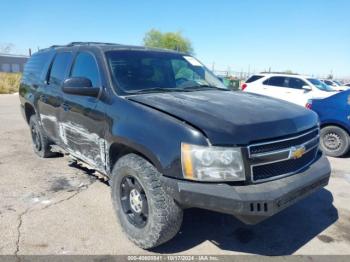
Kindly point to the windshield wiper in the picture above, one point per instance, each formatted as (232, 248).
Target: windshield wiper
(153, 90)
(201, 86)
(177, 89)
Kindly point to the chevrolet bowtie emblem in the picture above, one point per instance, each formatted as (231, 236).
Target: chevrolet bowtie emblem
(297, 152)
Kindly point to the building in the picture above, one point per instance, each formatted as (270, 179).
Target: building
(12, 63)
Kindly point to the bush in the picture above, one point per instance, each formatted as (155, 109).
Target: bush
(9, 82)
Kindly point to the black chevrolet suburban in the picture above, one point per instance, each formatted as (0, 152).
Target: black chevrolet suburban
(168, 135)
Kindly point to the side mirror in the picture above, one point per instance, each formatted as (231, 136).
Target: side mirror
(80, 86)
(307, 88)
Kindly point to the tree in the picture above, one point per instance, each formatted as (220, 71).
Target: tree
(289, 72)
(168, 40)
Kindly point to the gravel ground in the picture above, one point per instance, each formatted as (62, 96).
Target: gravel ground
(49, 207)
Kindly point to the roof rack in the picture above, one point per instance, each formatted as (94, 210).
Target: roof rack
(81, 43)
(90, 43)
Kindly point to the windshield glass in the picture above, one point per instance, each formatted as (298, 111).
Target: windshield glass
(320, 85)
(136, 71)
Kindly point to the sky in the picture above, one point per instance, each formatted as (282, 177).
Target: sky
(305, 36)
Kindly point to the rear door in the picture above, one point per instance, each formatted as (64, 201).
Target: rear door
(82, 118)
(50, 95)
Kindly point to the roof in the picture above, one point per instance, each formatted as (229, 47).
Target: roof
(13, 55)
(283, 74)
(109, 46)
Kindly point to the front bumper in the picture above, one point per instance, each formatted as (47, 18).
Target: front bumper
(255, 202)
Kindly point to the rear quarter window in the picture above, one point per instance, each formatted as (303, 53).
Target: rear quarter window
(253, 78)
(276, 81)
(36, 67)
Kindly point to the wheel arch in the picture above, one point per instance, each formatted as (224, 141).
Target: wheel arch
(337, 124)
(29, 111)
(117, 150)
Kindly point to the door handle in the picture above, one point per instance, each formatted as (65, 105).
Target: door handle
(66, 107)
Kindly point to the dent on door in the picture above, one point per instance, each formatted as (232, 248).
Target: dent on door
(82, 130)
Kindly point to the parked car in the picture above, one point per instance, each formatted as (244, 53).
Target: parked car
(293, 88)
(168, 135)
(335, 85)
(334, 113)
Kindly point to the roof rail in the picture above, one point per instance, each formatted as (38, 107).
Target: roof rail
(75, 44)
(280, 73)
(90, 43)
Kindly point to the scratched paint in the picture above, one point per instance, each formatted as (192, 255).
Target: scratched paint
(81, 143)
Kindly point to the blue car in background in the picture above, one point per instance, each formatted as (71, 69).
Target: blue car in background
(334, 113)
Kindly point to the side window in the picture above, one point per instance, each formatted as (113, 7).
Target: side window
(59, 68)
(276, 81)
(35, 69)
(253, 78)
(85, 66)
(296, 83)
(328, 82)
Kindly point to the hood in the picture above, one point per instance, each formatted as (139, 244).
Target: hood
(232, 118)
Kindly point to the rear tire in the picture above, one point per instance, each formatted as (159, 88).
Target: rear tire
(335, 141)
(41, 144)
(155, 218)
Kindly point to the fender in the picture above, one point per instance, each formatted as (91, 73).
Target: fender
(130, 126)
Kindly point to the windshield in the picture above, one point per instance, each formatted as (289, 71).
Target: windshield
(136, 71)
(320, 85)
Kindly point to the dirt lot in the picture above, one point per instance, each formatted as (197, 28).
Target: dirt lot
(48, 207)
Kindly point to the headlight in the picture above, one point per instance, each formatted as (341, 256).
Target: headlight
(206, 163)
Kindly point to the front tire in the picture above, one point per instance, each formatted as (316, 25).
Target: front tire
(335, 141)
(147, 214)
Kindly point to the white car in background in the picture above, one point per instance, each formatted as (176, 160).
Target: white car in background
(335, 85)
(293, 88)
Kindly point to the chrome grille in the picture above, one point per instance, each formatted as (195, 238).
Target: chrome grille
(275, 159)
(276, 169)
(284, 143)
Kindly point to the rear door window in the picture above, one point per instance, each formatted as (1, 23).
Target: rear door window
(253, 78)
(59, 68)
(85, 66)
(279, 81)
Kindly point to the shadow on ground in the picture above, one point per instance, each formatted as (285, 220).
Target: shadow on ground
(282, 234)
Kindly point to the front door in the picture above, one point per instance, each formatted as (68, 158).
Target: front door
(295, 91)
(82, 118)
